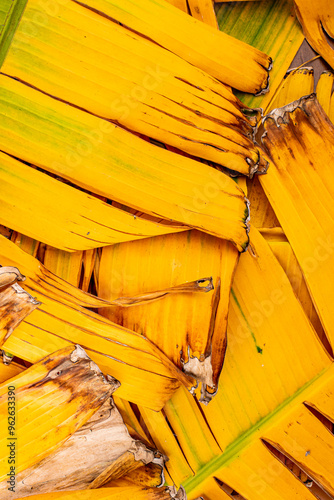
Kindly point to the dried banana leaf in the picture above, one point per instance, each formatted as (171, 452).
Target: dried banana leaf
(40, 279)
(296, 84)
(302, 436)
(53, 398)
(102, 444)
(10, 275)
(300, 140)
(146, 374)
(165, 439)
(317, 20)
(264, 312)
(148, 475)
(189, 328)
(69, 292)
(277, 356)
(324, 93)
(202, 285)
(15, 305)
(123, 491)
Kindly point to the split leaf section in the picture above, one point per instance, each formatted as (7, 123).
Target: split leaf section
(101, 450)
(324, 93)
(242, 67)
(317, 20)
(270, 26)
(296, 84)
(83, 59)
(147, 376)
(300, 140)
(122, 491)
(276, 353)
(103, 158)
(60, 215)
(69, 388)
(189, 328)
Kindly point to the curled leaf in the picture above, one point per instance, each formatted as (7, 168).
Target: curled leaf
(15, 305)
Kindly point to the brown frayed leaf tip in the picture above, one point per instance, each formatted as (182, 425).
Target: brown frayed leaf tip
(280, 115)
(15, 305)
(9, 275)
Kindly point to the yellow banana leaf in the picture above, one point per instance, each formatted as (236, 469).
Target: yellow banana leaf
(269, 25)
(300, 141)
(242, 183)
(89, 258)
(263, 215)
(146, 374)
(204, 11)
(165, 439)
(324, 93)
(262, 316)
(101, 444)
(9, 371)
(40, 279)
(296, 84)
(180, 4)
(242, 66)
(97, 65)
(53, 399)
(276, 354)
(303, 438)
(201, 285)
(64, 264)
(317, 20)
(79, 222)
(148, 475)
(131, 421)
(123, 491)
(55, 136)
(285, 256)
(200, 451)
(189, 328)
(28, 245)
